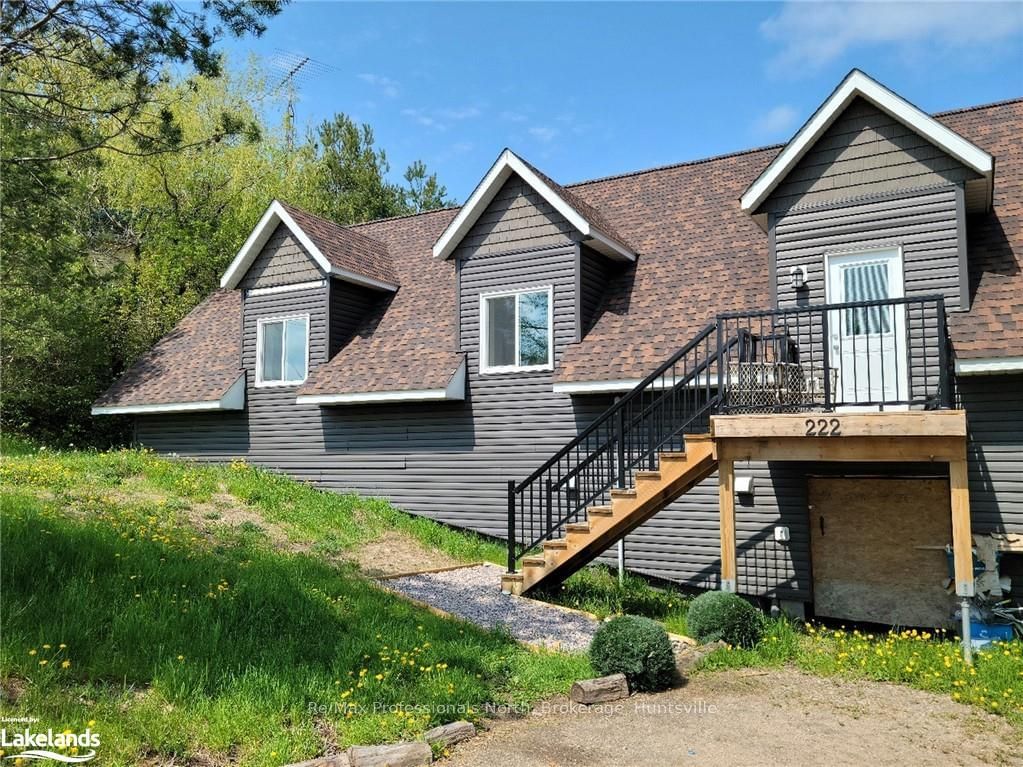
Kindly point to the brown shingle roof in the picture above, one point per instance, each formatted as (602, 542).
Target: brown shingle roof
(196, 362)
(346, 248)
(698, 255)
(408, 340)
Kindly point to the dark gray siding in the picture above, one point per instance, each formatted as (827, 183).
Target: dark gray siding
(349, 305)
(282, 261)
(994, 414)
(865, 152)
(924, 223)
(594, 270)
(449, 461)
(516, 219)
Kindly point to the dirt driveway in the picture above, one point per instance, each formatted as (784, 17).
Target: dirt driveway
(780, 717)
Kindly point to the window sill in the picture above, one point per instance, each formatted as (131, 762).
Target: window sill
(510, 370)
(278, 384)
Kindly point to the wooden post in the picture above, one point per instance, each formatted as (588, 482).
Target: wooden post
(962, 539)
(726, 502)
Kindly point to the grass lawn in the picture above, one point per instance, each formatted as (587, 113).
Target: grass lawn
(127, 604)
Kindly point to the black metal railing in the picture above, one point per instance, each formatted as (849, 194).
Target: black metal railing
(885, 354)
(890, 353)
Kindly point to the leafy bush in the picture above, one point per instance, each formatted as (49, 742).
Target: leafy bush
(720, 615)
(637, 647)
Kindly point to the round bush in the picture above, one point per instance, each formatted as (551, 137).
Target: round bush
(637, 647)
(720, 615)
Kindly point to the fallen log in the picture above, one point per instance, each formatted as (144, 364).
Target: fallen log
(413, 754)
(600, 690)
(449, 734)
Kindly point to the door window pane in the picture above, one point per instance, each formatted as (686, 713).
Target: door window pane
(273, 344)
(866, 282)
(295, 350)
(500, 331)
(534, 320)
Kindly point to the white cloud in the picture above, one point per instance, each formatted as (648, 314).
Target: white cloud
(543, 133)
(459, 113)
(390, 88)
(776, 121)
(814, 34)
(421, 117)
(439, 118)
(513, 117)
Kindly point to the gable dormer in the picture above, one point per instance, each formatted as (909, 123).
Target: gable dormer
(532, 261)
(306, 284)
(870, 177)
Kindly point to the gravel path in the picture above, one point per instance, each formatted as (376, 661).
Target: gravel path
(474, 593)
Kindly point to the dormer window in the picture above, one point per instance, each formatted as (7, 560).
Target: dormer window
(282, 350)
(515, 330)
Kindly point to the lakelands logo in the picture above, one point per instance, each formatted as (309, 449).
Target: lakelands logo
(67, 747)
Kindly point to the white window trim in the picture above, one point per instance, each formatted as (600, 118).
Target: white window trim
(260, 383)
(486, 369)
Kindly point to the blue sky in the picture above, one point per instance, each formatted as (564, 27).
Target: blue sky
(584, 90)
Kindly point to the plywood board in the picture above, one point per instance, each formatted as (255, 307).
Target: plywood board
(865, 539)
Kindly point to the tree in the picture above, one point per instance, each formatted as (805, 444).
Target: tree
(423, 191)
(349, 181)
(90, 70)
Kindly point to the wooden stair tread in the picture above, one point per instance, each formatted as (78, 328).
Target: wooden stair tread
(629, 509)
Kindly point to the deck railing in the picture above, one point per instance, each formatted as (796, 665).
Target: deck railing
(871, 354)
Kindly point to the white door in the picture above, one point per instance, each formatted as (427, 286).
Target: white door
(868, 343)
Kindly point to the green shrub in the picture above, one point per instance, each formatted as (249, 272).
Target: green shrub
(720, 615)
(637, 647)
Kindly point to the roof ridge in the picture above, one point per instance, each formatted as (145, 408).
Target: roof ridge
(404, 215)
(978, 107)
(670, 166)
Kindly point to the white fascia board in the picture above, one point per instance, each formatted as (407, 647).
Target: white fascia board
(274, 215)
(287, 288)
(509, 163)
(856, 84)
(360, 279)
(989, 365)
(455, 390)
(233, 399)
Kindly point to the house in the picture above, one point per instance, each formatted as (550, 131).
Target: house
(793, 372)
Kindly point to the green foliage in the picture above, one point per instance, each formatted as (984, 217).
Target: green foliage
(104, 252)
(195, 645)
(92, 70)
(596, 590)
(637, 647)
(350, 177)
(719, 615)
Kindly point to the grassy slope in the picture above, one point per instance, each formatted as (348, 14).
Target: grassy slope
(174, 642)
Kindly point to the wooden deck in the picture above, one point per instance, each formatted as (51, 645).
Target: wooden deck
(900, 436)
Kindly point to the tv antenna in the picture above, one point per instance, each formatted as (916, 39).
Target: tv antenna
(295, 70)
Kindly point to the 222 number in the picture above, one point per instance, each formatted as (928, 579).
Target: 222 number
(823, 427)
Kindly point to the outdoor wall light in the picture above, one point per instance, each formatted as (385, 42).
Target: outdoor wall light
(798, 276)
(744, 484)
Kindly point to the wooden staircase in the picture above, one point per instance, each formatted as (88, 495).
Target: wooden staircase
(677, 473)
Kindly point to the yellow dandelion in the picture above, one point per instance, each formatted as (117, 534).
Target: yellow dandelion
(66, 664)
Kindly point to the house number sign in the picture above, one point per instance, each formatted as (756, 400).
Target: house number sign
(823, 427)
